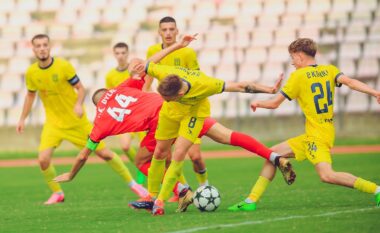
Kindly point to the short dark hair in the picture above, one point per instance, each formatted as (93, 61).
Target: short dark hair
(167, 19)
(306, 45)
(40, 36)
(170, 86)
(121, 45)
(96, 93)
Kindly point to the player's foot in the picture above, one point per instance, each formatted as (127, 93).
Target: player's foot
(55, 198)
(174, 198)
(377, 198)
(145, 203)
(243, 206)
(185, 199)
(158, 208)
(139, 190)
(287, 170)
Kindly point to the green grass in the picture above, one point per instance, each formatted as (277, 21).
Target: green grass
(97, 201)
(207, 145)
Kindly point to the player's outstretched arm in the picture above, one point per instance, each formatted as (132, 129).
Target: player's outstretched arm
(79, 162)
(28, 103)
(357, 85)
(268, 104)
(252, 87)
(78, 109)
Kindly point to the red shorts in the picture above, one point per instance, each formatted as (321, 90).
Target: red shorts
(150, 142)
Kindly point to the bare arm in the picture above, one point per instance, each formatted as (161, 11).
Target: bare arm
(268, 104)
(357, 85)
(78, 109)
(28, 103)
(252, 87)
(148, 83)
(79, 162)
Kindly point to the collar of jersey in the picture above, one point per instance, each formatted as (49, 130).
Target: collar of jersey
(188, 84)
(314, 65)
(47, 67)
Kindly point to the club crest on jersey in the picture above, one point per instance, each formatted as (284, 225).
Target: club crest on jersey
(54, 77)
(177, 62)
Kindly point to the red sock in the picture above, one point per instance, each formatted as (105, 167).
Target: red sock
(144, 168)
(250, 144)
(175, 189)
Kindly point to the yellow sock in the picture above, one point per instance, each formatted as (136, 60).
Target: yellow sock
(119, 167)
(365, 185)
(155, 174)
(131, 154)
(171, 177)
(202, 177)
(49, 174)
(259, 188)
(182, 179)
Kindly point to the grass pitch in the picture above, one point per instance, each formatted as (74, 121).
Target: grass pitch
(97, 201)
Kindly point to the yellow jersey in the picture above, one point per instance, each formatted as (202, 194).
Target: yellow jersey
(55, 88)
(201, 86)
(314, 88)
(185, 57)
(115, 77)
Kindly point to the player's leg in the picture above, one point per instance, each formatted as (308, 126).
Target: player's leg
(130, 151)
(199, 164)
(115, 162)
(190, 127)
(221, 134)
(50, 139)
(285, 149)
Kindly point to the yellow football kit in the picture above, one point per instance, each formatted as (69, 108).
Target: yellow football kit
(185, 116)
(55, 89)
(314, 88)
(115, 77)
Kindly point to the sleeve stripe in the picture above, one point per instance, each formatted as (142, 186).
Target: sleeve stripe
(224, 87)
(337, 84)
(285, 95)
(74, 80)
(32, 90)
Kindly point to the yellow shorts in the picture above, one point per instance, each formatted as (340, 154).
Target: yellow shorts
(305, 147)
(51, 137)
(185, 126)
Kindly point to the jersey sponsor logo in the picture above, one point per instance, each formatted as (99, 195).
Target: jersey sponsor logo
(177, 62)
(107, 96)
(54, 77)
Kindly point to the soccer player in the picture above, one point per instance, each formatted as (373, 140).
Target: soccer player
(114, 78)
(125, 109)
(62, 95)
(182, 116)
(186, 57)
(313, 86)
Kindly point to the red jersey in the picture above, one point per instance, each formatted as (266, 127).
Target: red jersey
(124, 110)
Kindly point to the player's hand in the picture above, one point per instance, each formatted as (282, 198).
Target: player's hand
(20, 127)
(65, 177)
(378, 97)
(136, 67)
(186, 39)
(254, 105)
(277, 85)
(78, 109)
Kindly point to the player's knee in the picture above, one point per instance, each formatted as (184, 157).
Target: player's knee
(161, 153)
(125, 147)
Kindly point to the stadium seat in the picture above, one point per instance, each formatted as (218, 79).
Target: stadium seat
(209, 57)
(296, 7)
(6, 49)
(50, 5)
(344, 6)
(82, 31)
(13, 116)
(366, 5)
(249, 72)
(7, 6)
(27, 5)
(374, 31)
(349, 51)
(66, 16)
(231, 107)
(33, 29)
(232, 56)
(2, 117)
(205, 9)
(347, 66)
(337, 19)
(89, 16)
(371, 50)
(256, 55)
(112, 15)
(96, 4)
(6, 97)
(11, 82)
(314, 19)
(11, 32)
(268, 21)
(309, 32)
(250, 8)
(216, 106)
(357, 102)
(319, 7)
(241, 38)
(287, 108)
(279, 54)
(216, 38)
(368, 69)
(73, 4)
(260, 111)
(291, 21)
(262, 38)
(226, 71)
(228, 9)
(361, 18)
(144, 39)
(271, 72)
(18, 65)
(274, 7)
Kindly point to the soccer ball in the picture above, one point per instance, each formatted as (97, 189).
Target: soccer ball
(206, 198)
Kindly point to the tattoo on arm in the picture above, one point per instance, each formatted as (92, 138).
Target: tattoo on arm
(251, 89)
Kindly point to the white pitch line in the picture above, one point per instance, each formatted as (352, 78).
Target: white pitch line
(257, 222)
